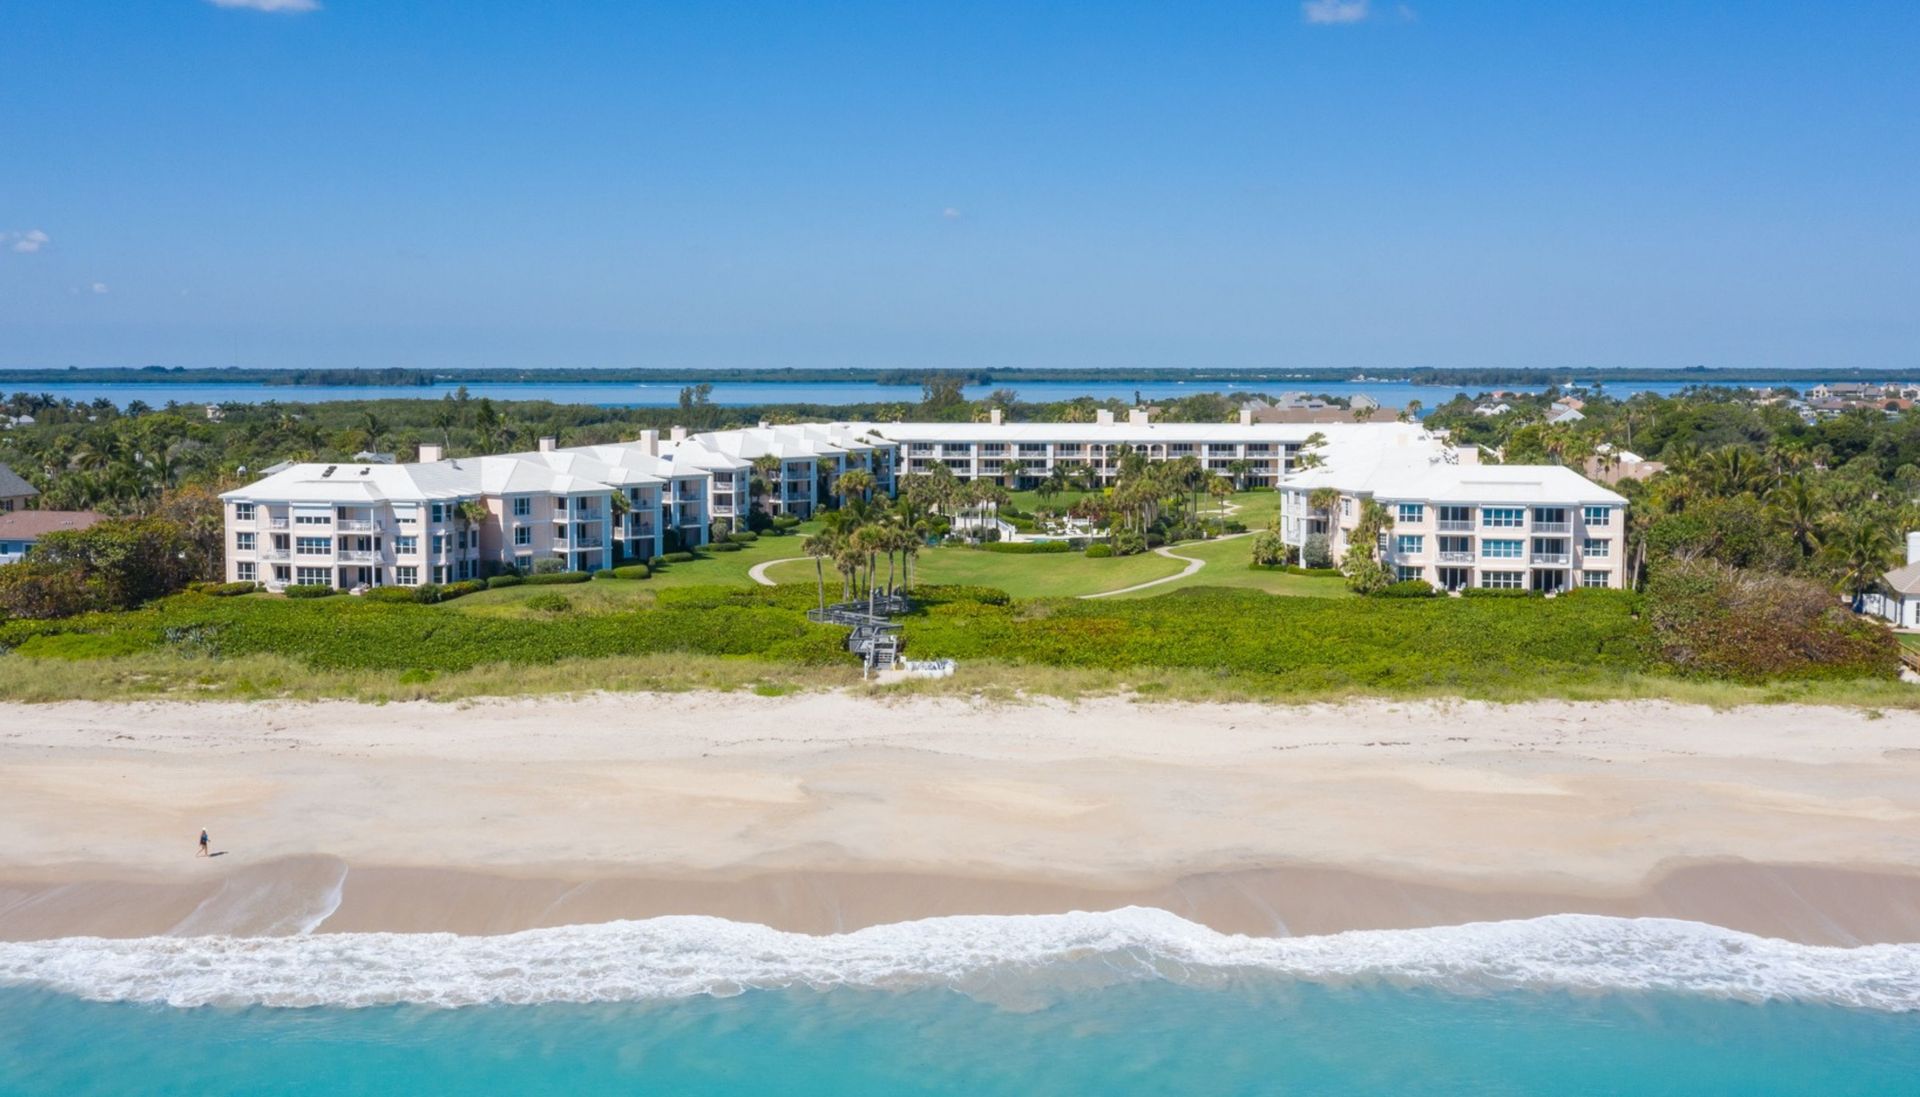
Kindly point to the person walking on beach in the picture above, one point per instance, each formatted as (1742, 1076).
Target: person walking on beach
(205, 843)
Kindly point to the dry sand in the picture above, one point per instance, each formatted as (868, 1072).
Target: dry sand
(832, 811)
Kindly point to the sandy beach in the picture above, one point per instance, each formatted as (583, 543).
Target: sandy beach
(833, 811)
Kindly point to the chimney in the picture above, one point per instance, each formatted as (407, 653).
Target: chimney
(1137, 417)
(650, 443)
(1246, 417)
(1103, 417)
(1467, 455)
(677, 434)
(429, 451)
(994, 417)
(1913, 547)
(547, 443)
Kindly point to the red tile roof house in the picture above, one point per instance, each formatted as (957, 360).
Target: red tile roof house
(20, 529)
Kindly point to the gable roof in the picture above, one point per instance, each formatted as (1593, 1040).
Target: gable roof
(1904, 579)
(12, 484)
(25, 525)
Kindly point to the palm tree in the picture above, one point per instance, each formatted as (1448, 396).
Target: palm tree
(1796, 511)
(819, 546)
(1323, 501)
(1863, 550)
(1220, 488)
(855, 484)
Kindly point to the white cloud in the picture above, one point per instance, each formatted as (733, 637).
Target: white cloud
(98, 287)
(28, 242)
(951, 213)
(1327, 12)
(269, 5)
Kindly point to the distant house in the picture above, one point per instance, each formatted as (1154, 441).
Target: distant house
(1897, 597)
(1564, 413)
(15, 492)
(1610, 466)
(21, 529)
(1490, 410)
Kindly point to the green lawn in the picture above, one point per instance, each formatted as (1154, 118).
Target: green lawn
(1043, 575)
(1226, 566)
(1257, 508)
(604, 595)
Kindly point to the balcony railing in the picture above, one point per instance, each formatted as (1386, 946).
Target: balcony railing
(356, 525)
(273, 554)
(356, 556)
(1553, 527)
(1454, 525)
(1552, 558)
(1456, 557)
(274, 523)
(586, 542)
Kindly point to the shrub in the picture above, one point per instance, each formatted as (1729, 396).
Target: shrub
(29, 589)
(632, 571)
(1269, 549)
(1494, 592)
(461, 588)
(545, 578)
(671, 558)
(229, 590)
(391, 594)
(1099, 551)
(785, 521)
(309, 590)
(1407, 588)
(511, 579)
(744, 537)
(605, 573)
(547, 565)
(1027, 548)
(548, 602)
(1723, 622)
(656, 562)
(1365, 575)
(1315, 553)
(1127, 542)
(720, 546)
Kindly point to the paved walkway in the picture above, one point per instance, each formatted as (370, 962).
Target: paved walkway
(758, 572)
(1193, 564)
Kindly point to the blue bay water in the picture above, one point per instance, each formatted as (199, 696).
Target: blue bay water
(1252, 1037)
(622, 394)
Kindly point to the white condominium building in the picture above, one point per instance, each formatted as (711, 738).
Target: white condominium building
(1457, 523)
(1021, 455)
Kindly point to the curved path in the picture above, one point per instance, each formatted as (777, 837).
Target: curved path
(1193, 565)
(758, 572)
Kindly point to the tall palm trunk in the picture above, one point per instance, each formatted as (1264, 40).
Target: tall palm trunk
(820, 577)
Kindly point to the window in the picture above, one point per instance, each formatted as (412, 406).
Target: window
(244, 571)
(523, 535)
(1595, 548)
(560, 504)
(407, 575)
(313, 576)
(313, 546)
(1593, 579)
(1411, 512)
(1503, 517)
(1456, 517)
(1550, 515)
(1346, 507)
(523, 562)
(442, 574)
(1503, 550)
(243, 512)
(522, 506)
(243, 542)
(406, 544)
(1410, 544)
(463, 569)
(1502, 580)
(280, 573)
(1405, 573)
(439, 512)
(440, 544)
(313, 519)
(1598, 516)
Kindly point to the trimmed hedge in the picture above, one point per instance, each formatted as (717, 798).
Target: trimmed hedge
(744, 537)
(666, 558)
(461, 588)
(632, 571)
(392, 594)
(605, 573)
(229, 590)
(1406, 588)
(507, 580)
(1099, 551)
(1026, 548)
(1296, 569)
(309, 590)
(785, 521)
(544, 578)
(722, 546)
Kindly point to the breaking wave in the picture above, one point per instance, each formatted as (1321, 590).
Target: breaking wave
(1011, 959)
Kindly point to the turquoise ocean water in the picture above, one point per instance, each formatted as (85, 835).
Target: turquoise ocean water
(1124, 1002)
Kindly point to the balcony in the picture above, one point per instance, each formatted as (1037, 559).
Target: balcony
(1560, 559)
(356, 556)
(1553, 527)
(1456, 557)
(1454, 525)
(586, 542)
(355, 525)
(273, 554)
(273, 523)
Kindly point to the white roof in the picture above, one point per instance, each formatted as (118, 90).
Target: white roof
(1434, 474)
(1137, 433)
(458, 478)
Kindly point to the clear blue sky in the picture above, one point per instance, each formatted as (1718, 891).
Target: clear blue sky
(913, 184)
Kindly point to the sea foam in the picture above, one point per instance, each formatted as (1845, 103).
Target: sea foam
(1007, 958)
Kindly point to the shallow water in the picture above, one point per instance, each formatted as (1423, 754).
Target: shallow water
(1135, 1001)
